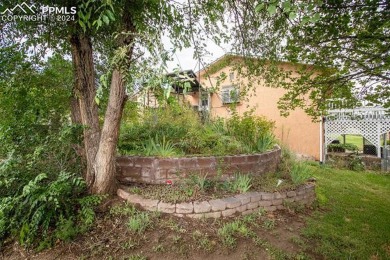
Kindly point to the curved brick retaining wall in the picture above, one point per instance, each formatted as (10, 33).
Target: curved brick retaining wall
(159, 170)
(240, 204)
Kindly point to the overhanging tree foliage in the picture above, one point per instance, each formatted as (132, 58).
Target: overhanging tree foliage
(345, 43)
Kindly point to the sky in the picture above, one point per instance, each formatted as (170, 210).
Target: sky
(184, 59)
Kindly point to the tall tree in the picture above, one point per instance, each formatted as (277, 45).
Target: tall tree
(133, 43)
(345, 43)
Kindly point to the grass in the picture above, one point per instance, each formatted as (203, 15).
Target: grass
(353, 139)
(352, 221)
(356, 221)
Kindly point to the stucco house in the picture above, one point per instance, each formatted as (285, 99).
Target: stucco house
(297, 131)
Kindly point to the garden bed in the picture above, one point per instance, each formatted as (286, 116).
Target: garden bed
(157, 170)
(200, 188)
(244, 203)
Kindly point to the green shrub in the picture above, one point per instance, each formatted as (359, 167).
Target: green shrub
(172, 122)
(40, 197)
(184, 133)
(288, 158)
(300, 173)
(342, 147)
(356, 164)
(41, 193)
(248, 128)
(45, 205)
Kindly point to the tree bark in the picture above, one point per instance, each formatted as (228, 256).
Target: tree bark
(75, 116)
(105, 158)
(85, 92)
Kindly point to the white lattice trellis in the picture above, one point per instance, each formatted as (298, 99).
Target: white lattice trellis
(371, 123)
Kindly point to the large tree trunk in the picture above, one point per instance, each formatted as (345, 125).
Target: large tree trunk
(85, 92)
(105, 158)
(100, 150)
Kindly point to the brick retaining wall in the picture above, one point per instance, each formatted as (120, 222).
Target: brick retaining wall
(240, 204)
(344, 160)
(159, 170)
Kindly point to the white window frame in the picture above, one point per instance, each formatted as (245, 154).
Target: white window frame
(230, 94)
(204, 96)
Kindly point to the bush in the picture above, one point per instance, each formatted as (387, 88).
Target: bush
(356, 164)
(249, 129)
(290, 168)
(182, 132)
(41, 191)
(342, 147)
(47, 209)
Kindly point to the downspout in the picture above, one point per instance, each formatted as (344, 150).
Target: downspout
(321, 140)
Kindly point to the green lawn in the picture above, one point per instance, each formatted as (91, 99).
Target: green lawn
(353, 139)
(353, 221)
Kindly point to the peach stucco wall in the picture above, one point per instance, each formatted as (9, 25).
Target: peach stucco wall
(296, 131)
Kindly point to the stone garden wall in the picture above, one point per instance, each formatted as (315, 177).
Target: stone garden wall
(344, 160)
(240, 204)
(158, 170)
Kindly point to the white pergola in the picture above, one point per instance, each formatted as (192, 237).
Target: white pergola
(370, 122)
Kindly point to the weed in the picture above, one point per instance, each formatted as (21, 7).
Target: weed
(294, 207)
(173, 225)
(202, 240)
(139, 222)
(158, 248)
(66, 229)
(176, 239)
(200, 181)
(130, 244)
(123, 210)
(298, 241)
(138, 257)
(250, 218)
(229, 230)
(356, 164)
(244, 230)
(226, 233)
(269, 224)
(135, 190)
(205, 244)
(259, 241)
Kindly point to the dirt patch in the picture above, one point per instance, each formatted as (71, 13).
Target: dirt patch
(260, 236)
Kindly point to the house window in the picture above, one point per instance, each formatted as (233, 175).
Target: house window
(231, 76)
(230, 95)
(204, 101)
